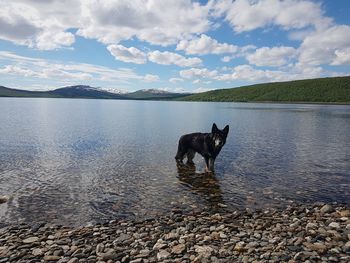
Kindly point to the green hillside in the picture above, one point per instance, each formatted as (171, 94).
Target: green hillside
(6, 92)
(329, 90)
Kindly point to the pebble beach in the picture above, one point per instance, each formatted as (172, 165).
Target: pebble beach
(297, 233)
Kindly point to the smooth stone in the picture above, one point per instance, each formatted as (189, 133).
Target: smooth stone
(171, 235)
(108, 255)
(311, 226)
(346, 247)
(51, 258)
(344, 213)
(326, 209)
(316, 247)
(100, 248)
(204, 251)
(143, 253)
(30, 240)
(334, 225)
(73, 260)
(163, 254)
(58, 253)
(122, 238)
(178, 249)
(3, 199)
(37, 252)
(159, 245)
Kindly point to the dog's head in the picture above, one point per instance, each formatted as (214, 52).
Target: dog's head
(219, 136)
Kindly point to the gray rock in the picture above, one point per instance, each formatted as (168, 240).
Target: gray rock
(51, 258)
(100, 248)
(30, 240)
(37, 252)
(108, 255)
(163, 254)
(204, 251)
(73, 260)
(334, 225)
(346, 247)
(178, 249)
(143, 253)
(326, 209)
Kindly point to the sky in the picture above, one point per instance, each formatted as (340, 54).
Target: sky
(173, 45)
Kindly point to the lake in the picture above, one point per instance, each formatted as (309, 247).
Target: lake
(75, 161)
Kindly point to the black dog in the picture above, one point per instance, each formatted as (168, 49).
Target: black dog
(206, 144)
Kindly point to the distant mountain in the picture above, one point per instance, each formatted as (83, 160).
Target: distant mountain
(87, 92)
(81, 91)
(330, 90)
(154, 94)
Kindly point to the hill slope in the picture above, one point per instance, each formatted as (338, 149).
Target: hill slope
(335, 89)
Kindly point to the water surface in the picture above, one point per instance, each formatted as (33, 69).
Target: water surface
(73, 161)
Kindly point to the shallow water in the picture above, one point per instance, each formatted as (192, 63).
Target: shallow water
(72, 161)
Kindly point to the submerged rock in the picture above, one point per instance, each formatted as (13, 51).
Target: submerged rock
(3, 199)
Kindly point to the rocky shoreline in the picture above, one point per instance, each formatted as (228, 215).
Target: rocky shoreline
(298, 233)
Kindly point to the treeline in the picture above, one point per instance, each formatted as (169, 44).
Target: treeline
(335, 89)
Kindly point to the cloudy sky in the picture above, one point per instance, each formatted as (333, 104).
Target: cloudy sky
(176, 45)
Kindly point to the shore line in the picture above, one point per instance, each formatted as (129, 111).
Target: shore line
(298, 233)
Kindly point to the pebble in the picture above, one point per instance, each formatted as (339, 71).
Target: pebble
(3, 199)
(334, 225)
(326, 209)
(30, 240)
(178, 249)
(163, 254)
(297, 233)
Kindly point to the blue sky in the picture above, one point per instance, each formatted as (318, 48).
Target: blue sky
(174, 45)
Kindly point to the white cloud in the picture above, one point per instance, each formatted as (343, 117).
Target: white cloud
(12, 69)
(197, 73)
(272, 57)
(252, 74)
(67, 72)
(342, 57)
(205, 45)
(170, 58)
(46, 24)
(43, 26)
(255, 75)
(247, 15)
(151, 78)
(241, 52)
(175, 80)
(157, 22)
(134, 55)
(201, 89)
(125, 54)
(327, 46)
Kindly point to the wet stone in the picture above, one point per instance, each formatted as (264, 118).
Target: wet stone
(253, 236)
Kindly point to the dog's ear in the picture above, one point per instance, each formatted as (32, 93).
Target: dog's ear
(226, 129)
(214, 129)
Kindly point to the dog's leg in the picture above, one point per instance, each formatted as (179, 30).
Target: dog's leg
(211, 164)
(206, 159)
(180, 154)
(190, 156)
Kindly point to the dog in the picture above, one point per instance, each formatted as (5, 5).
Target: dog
(208, 145)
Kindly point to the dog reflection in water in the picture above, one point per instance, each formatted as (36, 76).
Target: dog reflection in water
(204, 184)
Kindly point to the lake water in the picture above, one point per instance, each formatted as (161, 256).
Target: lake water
(72, 161)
